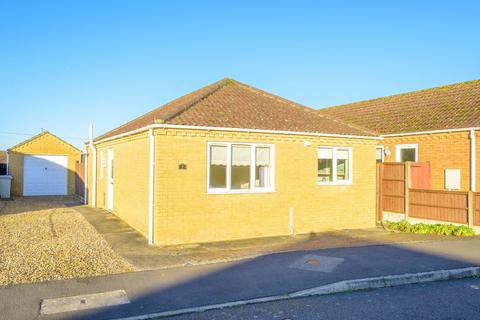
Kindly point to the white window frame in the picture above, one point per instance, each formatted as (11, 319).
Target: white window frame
(252, 189)
(383, 153)
(334, 181)
(399, 147)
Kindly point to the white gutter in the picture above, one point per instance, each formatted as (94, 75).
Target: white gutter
(427, 132)
(94, 168)
(174, 126)
(473, 161)
(151, 184)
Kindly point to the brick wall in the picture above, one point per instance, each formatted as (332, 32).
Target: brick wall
(185, 213)
(442, 150)
(45, 144)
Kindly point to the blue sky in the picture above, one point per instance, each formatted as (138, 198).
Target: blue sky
(66, 64)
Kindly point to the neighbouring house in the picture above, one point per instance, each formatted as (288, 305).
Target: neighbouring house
(43, 165)
(230, 161)
(3, 162)
(439, 125)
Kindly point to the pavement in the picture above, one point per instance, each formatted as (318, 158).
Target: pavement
(133, 247)
(267, 275)
(439, 300)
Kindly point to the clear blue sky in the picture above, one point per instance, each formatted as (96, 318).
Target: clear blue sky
(65, 64)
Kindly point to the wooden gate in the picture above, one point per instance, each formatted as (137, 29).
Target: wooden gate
(80, 178)
(390, 188)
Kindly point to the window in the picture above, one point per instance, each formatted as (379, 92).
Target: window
(239, 167)
(334, 165)
(379, 154)
(406, 152)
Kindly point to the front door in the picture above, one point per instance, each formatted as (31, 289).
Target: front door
(110, 179)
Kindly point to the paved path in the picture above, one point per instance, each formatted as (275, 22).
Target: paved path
(458, 299)
(170, 289)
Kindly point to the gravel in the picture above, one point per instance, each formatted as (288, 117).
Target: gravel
(41, 239)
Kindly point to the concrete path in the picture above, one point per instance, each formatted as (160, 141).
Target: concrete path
(132, 245)
(275, 274)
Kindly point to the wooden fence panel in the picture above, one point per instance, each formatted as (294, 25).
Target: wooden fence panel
(450, 206)
(476, 209)
(393, 187)
(80, 178)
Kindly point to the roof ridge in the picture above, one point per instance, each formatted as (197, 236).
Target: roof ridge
(305, 108)
(44, 132)
(400, 94)
(182, 108)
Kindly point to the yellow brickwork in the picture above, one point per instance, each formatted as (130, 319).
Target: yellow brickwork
(130, 175)
(43, 144)
(186, 213)
(443, 151)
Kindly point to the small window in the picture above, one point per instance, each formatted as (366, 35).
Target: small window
(240, 167)
(406, 152)
(334, 165)
(379, 154)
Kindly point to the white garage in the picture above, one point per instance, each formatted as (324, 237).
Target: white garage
(45, 175)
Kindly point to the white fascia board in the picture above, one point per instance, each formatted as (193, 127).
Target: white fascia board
(427, 132)
(174, 126)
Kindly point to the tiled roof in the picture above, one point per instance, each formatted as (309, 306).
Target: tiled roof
(231, 104)
(447, 107)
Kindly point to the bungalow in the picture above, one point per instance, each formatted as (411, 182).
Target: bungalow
(439, 125)
(230, 161)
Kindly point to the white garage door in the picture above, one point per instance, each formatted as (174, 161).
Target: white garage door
(45, 175)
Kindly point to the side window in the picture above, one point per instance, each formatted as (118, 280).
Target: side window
(379, 154)
(334, 165)
(406, 152)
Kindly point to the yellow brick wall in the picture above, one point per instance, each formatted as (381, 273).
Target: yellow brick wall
(442, 150)
(45, 144)
(131, 171)
(185, 213)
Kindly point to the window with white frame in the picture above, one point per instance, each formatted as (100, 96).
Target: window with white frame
(379, 154)
(406, 152)
(240, 167)
(334, 165)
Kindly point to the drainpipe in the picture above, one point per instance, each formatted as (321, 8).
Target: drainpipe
(473, 161)
(94, 168)
(151, 184)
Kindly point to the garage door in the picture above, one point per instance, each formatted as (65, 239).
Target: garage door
(45, 175)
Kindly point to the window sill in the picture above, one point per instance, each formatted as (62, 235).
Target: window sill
(240, 191)
(336, 183)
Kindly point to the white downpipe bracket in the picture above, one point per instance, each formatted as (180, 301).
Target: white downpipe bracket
(473, 161)
(94, 168)
(151, 184)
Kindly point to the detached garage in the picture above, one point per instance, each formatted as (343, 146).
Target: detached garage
(43, 165)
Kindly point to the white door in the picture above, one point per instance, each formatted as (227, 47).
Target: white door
(110, 179)
(45, 175)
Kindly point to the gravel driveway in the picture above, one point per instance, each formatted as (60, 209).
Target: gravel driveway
(42, 239)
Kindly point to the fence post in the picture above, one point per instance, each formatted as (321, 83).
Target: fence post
(471, 208)
(407, 187)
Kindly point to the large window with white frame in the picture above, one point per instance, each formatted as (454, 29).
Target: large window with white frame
(240, 167)
(334, 165)
(406, 152)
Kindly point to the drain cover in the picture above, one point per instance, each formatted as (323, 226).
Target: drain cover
(311, 262)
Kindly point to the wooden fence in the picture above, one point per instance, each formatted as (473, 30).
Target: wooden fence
(448, 206)
(80, 179)
(476, 209)
(391, 187)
